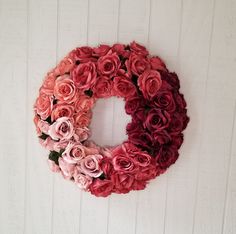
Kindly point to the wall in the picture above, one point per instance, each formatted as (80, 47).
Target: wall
(197, 39)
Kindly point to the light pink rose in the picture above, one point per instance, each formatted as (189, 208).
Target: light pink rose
(43, 105)
(53, 166)
(65, 89)
(48, 143)
(82, 119)
(90, 165)
(62, 110)
(43, 126)
(103, 87)
(84, 103)
(149, 83)
(48, 84)
(67, 169)
(82, 134)
(73, 153)
(109, 64)
(81, 180)
(61, 129)
(84, 75)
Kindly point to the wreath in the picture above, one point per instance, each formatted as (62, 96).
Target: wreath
(63, 112)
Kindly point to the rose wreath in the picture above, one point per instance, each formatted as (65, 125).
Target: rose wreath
(152, 98)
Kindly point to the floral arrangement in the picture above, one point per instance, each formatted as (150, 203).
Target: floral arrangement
(63, 112)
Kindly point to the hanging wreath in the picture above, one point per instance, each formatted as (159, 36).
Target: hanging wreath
(63, 112)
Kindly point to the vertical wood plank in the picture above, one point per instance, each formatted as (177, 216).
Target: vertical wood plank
(13, 115)
(219, 110)
(133, 25)
(42, 57)
(164, 34)
(102, 29)
(72, 32)
(182, 180)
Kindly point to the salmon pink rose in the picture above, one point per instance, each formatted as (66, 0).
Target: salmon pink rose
(65, 89)
(61, 129)
(84, 75)
(149, 83)
(103, 87)
(82, 119)
(84, 103)
(48, 84)
(43, 105)
(83, 54)
(138, 49)
(64, 66)
(101, 50)
(62, 110)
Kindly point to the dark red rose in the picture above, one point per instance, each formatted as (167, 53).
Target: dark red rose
(139, 184)
(123, 87)
(83, 54)
(157, 63)
(101, 50)
(178, 123)
(171, 78)
(161, 137)
(142, 159)
(138, 49)
(147, 173)
(177, 140)
(134, 126)
(141, 138)
(108, 64)
(179, 98)
(106, 166)
(157, 120)
(137, 64)
(133, 104)
(167, 156)
(123, 182)
(101, 188)
(164, 100)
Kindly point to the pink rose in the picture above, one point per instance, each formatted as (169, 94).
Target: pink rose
(65, 89)
(120, 49)
(62, 110)
(122, 182)
(90, 165)
(101, 50)
(137, 64)
(53, 166)
(142, 159)
(103, 87)
(101, 188)
(48, 84)
(67, 169)
(147, 173)
(81, 180)
(43, 105)
(109, 64)
(84, 75)
(84, 103)
(83, 54)
(82, 119)
(138, 49)
(61, 129)
(149, 83)
(123, 87)
(73, 153)
(157, 64)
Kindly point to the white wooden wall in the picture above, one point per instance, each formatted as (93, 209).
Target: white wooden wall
(197, 39)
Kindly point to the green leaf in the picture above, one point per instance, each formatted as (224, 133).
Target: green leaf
(54, 156)
(43, 136)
